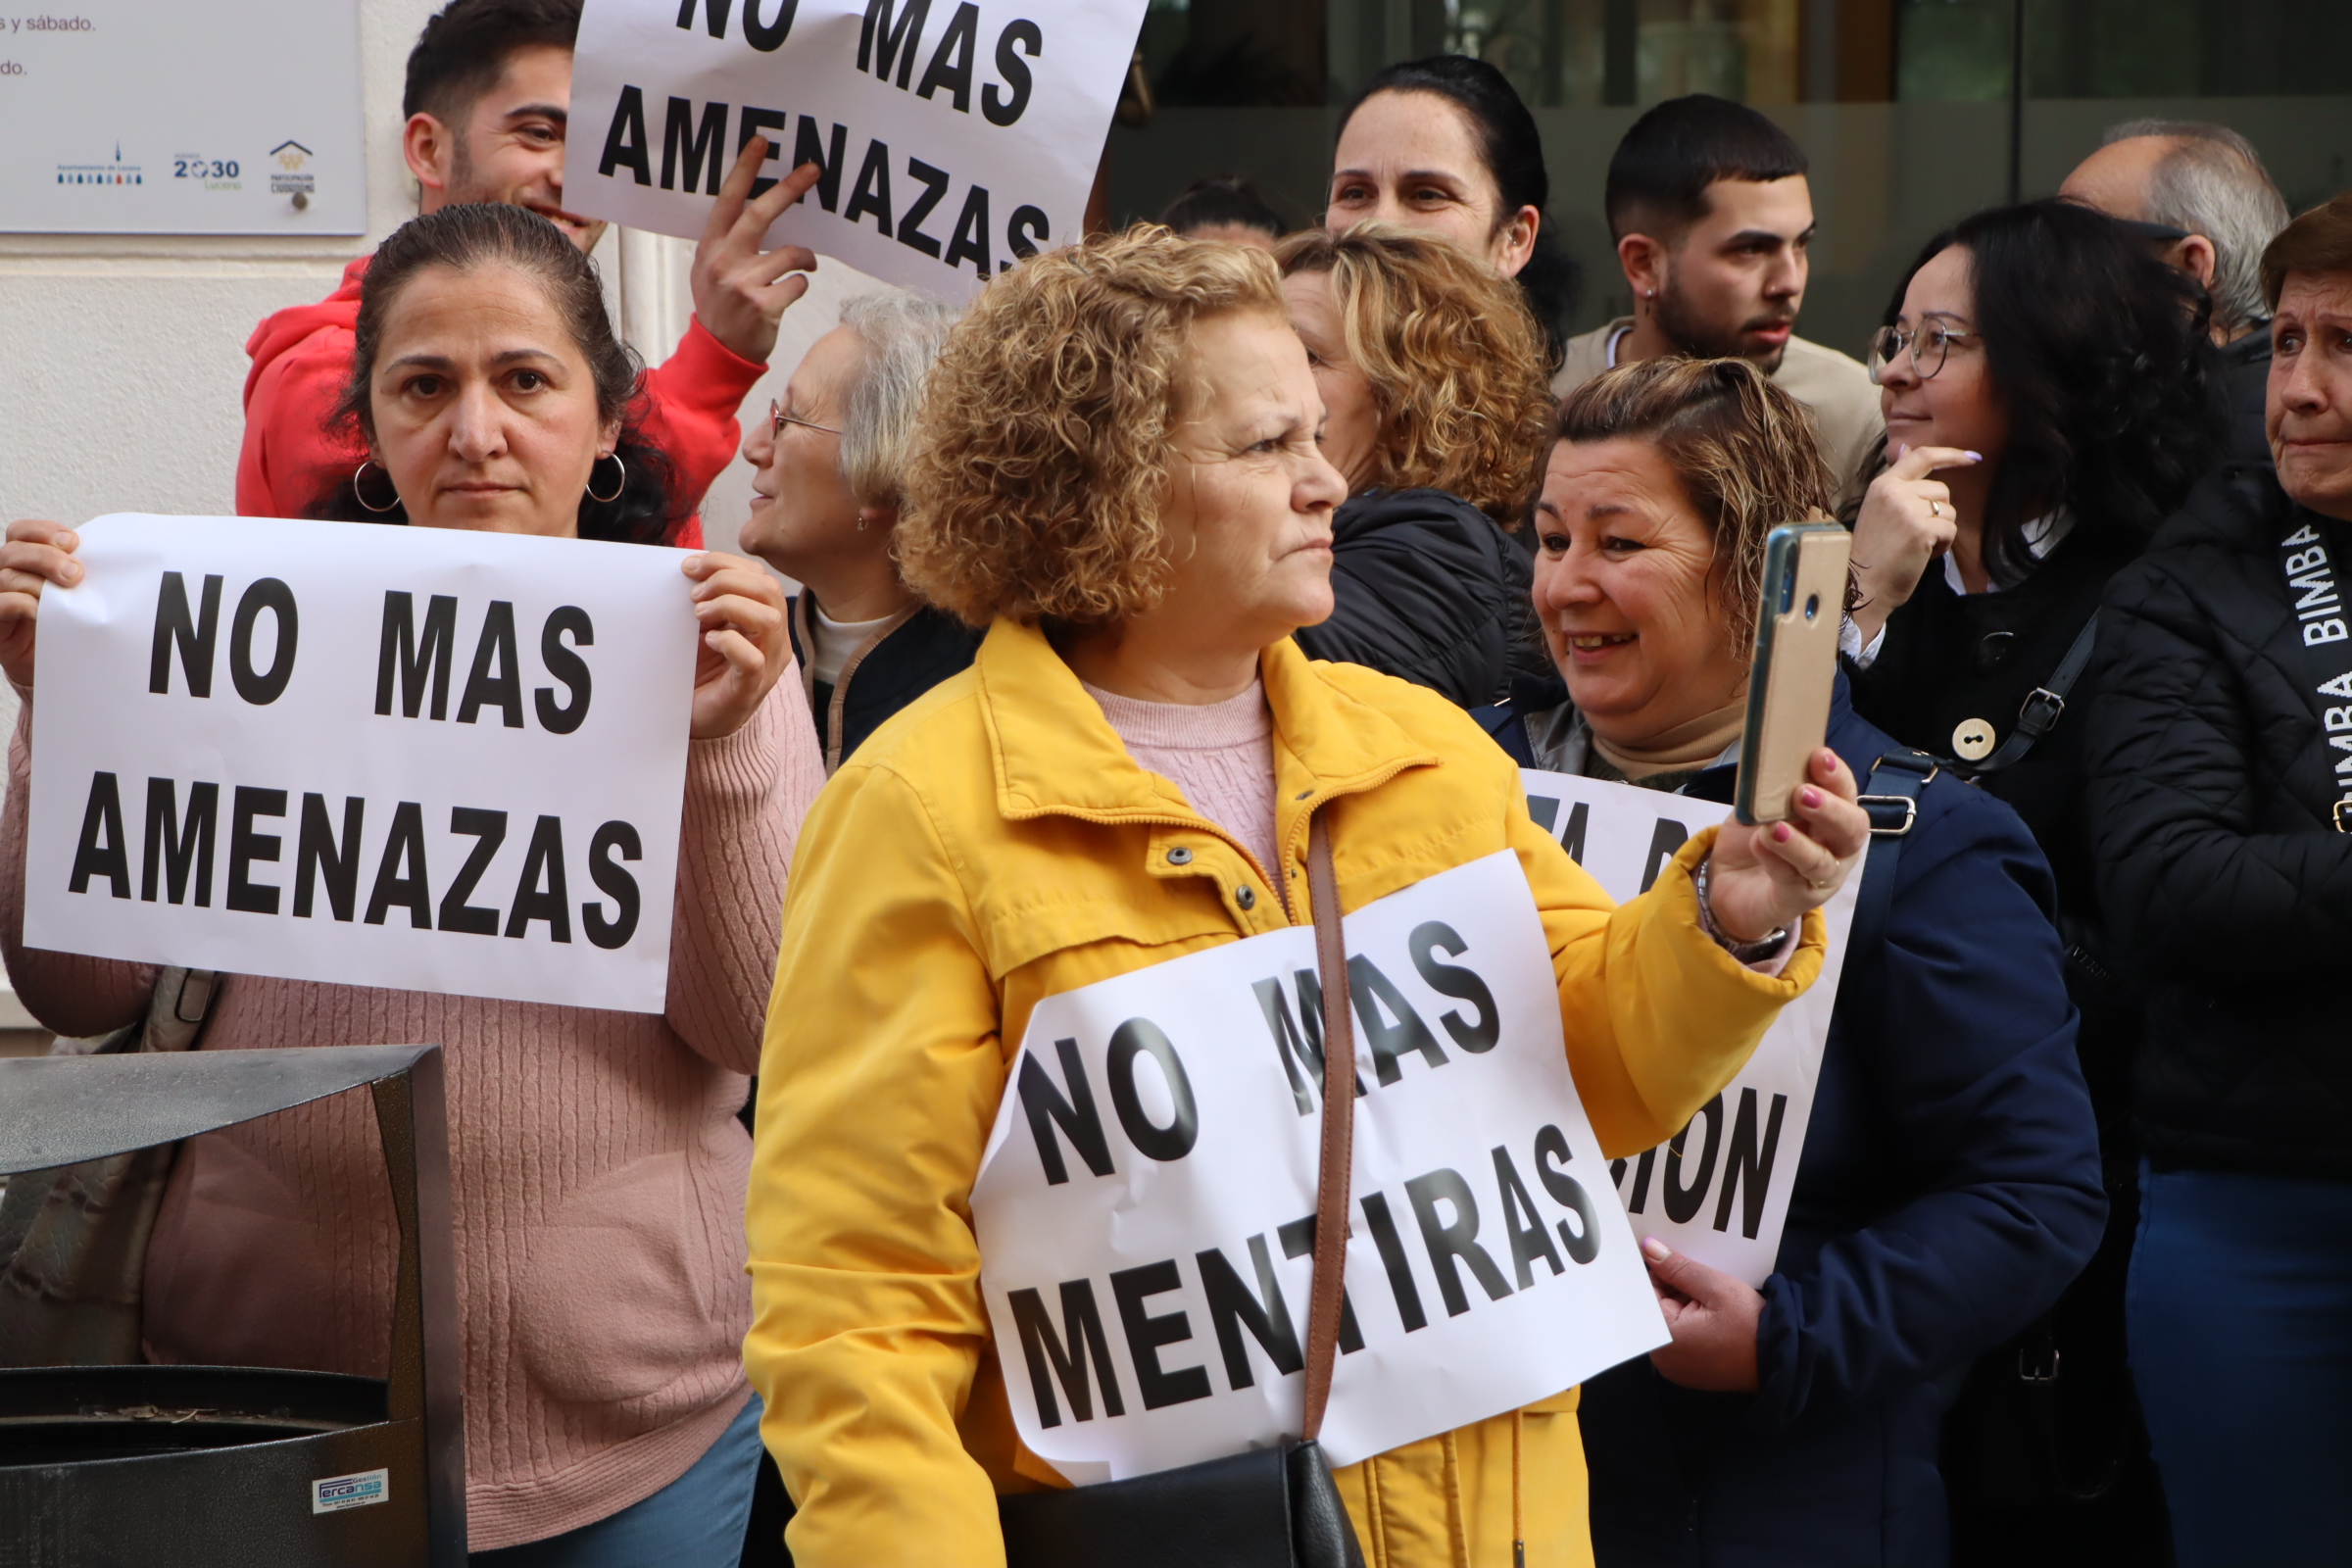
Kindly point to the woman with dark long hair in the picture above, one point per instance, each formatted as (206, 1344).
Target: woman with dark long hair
(1447, 144)
(2051, 396)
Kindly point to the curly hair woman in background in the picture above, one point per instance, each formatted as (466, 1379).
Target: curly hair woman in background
(1438, 397)
(2050, 395)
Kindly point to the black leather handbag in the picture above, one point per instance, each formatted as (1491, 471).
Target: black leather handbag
(1271, 1507)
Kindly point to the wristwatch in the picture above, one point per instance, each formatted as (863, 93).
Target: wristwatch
(1764, 947)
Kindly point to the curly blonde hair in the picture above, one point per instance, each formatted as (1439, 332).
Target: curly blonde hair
(1745, 451)
(1456, 363)
(1039, 472)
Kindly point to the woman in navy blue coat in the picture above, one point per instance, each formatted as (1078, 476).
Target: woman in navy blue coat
(1949, 1184)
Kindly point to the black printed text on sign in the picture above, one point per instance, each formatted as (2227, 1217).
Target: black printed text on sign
(956, 136)
(1146, 1206)
(422, 759)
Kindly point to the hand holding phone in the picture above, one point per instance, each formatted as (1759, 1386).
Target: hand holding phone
(1797, 832)
(1796, 669)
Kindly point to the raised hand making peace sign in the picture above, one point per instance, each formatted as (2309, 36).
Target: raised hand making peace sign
(741, 291)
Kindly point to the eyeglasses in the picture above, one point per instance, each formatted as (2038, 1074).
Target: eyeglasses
(1928, 346)
(775, 412)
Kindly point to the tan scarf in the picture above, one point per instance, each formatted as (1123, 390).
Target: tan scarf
(1688, 745)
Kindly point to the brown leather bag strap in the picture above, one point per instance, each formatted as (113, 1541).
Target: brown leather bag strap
(1335, 1172)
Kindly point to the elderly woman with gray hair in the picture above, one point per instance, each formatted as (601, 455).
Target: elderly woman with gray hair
(826, 510)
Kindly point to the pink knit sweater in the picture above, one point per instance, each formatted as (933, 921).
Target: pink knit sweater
(598, 1170)
(1221, 755)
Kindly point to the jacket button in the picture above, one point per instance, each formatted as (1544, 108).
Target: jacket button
(1180, 855)
(1993, 650)
(1245, 897)
(1972, 740)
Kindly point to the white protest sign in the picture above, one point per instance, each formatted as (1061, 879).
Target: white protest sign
(1718, 1190)
(954, 137)
(416, 758)
(1146, 1204)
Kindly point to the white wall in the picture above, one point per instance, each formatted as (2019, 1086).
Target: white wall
(122, 356)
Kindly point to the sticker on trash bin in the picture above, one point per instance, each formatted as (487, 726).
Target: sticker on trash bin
(338, 1493)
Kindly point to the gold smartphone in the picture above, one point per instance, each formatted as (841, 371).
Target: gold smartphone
(1802, 602)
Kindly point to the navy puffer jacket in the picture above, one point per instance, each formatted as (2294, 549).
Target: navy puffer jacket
(1949, 1192)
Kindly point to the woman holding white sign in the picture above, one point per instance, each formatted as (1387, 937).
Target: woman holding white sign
(597, 1166)
(1950, 1185)
(1119, 475)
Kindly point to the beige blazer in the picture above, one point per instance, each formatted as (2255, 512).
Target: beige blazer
(1836, 387)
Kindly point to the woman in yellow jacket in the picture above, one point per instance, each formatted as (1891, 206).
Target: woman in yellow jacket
(1119, 475)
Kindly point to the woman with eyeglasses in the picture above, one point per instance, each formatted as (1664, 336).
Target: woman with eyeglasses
(2050, 395)
(826, 510)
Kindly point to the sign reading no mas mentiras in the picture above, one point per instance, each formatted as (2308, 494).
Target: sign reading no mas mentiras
(955, 137)
(1146, 1207)
(415, 757)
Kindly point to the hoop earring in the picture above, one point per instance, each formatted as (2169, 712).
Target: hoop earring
(360, 496)
(618, 488)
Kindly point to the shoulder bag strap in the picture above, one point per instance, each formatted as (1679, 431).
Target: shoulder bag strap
(1890, 798)
(2045, 705)
(2315, 590)
(1335, 1169)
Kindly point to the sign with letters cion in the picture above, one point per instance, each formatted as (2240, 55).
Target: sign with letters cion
(1719, 1189)
(416, 758)
(1146, 1206)
(955, 137)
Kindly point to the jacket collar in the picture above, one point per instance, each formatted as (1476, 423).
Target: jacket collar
(1053, 751)
(1848, 736)
(832, 723)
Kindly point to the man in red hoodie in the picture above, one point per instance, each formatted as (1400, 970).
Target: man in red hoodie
(489, 90)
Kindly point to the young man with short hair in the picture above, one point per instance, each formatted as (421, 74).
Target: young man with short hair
(1712, 215)
(489, 92)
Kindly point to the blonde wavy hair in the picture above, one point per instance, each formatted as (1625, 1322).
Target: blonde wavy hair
(1745, 451)
(1037, 476)
(1457, 367)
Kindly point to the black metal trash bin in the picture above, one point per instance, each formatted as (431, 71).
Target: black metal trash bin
(236, 1467)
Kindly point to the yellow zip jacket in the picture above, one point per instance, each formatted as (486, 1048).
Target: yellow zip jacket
(995, 844)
